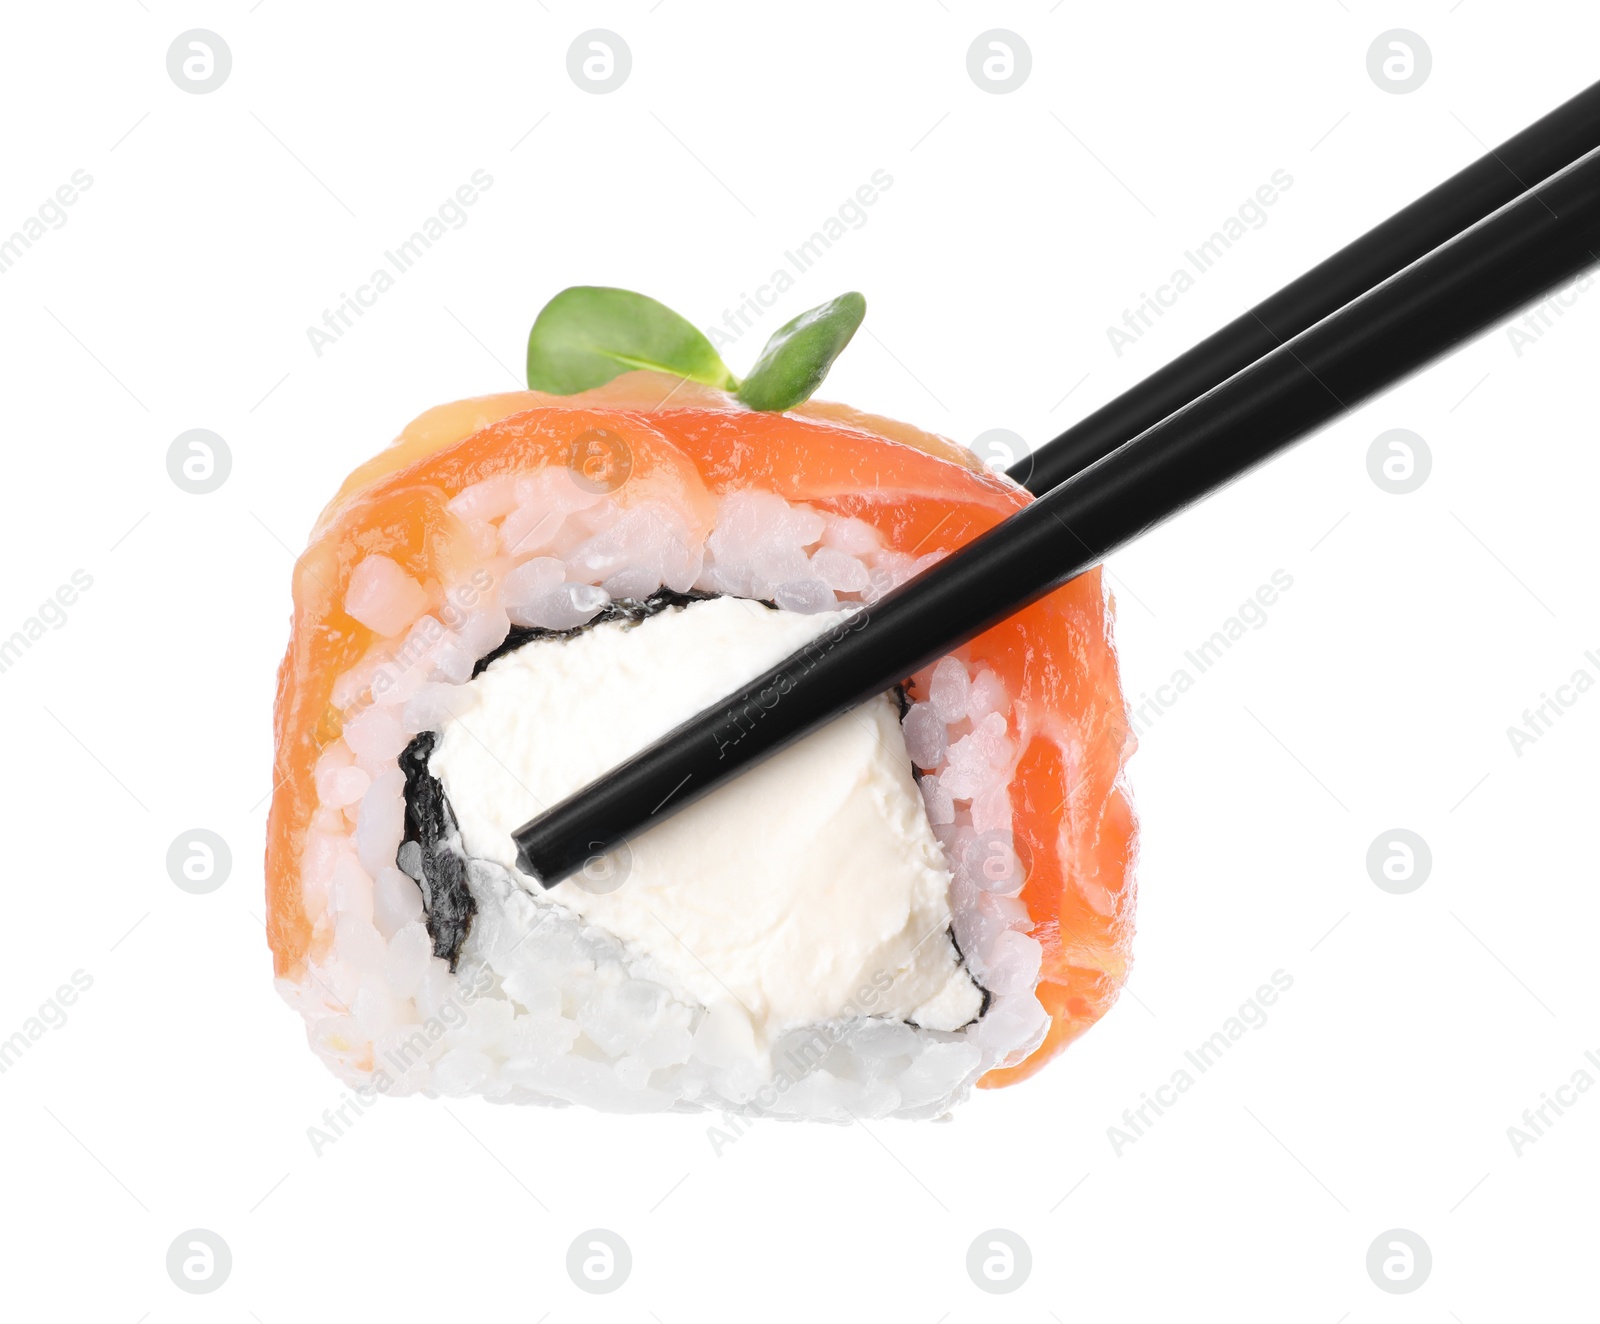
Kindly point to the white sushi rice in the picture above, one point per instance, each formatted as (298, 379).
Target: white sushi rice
(548, 1007)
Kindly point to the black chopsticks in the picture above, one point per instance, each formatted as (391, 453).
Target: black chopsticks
(1528, 246)
(1545, 146)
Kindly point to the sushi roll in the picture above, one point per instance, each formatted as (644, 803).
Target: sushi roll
(930, 893)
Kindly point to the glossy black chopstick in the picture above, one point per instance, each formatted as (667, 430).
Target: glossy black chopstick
(1518, 164)
(1515, 255)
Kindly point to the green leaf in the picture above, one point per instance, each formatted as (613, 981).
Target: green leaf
(800, 353)
(589, 334)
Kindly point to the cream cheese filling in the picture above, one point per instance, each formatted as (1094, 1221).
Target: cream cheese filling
(811, 888)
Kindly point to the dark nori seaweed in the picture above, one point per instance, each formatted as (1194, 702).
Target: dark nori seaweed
(961, 960)
(630, 611)
(988, 997)
(441, 872)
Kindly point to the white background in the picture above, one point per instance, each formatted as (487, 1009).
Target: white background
(219, 227)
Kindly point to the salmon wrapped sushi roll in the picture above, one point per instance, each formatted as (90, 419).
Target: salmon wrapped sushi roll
(932, 892)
